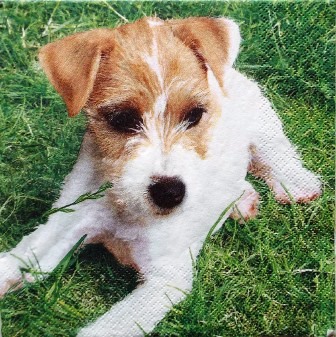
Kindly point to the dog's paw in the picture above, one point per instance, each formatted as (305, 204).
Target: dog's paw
(10, 274)
(246, 207)
(304, 189)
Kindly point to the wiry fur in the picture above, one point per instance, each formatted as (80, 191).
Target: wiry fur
(163, 69)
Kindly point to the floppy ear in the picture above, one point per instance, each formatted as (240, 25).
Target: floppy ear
(215, 41)
(71, 65)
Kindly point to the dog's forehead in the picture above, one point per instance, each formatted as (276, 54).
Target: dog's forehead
(144, 61)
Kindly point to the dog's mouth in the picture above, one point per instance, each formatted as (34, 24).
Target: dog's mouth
(166, 193)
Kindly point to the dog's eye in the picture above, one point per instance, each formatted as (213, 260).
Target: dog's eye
(193, 116)
(127, 121)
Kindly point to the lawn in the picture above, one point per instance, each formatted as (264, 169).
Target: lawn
(273, 276)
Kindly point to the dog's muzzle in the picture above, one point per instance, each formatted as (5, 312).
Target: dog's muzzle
(167, 192)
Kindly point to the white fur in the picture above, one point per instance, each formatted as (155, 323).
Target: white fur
(153, 61)
(234, 41)
(153, 23)
(163, 246)
(160, 106)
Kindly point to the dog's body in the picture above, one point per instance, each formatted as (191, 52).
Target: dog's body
(175, 129)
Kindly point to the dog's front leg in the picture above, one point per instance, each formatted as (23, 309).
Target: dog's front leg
(165, 285)
(276, 160)
(43, 249)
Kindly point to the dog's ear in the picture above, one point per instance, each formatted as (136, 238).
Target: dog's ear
(215, 41)
(71, 65)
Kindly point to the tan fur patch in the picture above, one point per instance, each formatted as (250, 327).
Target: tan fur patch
(71, 65)
(134, 64)
(134, 67)
(125, 76)
(119, 248)
(208, 37)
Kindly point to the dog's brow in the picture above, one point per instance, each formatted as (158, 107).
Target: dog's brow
(199, 98)
(114, 106)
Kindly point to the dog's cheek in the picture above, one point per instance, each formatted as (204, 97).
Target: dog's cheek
(137, 171)
(197, 139)
(112, 149)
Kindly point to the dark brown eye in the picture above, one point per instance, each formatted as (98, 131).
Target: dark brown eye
(193, 116)
(126, 121)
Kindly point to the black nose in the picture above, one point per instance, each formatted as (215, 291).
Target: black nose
(167, 192)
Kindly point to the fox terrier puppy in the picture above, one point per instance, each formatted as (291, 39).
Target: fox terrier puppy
(175, 129)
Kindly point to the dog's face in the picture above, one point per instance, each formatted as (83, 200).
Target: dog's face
(150, 92)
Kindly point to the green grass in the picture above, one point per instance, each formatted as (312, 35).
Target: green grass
(269, 277)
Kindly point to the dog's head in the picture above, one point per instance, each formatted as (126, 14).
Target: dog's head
(151, 92)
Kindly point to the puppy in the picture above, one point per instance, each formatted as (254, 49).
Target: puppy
(175, 129)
